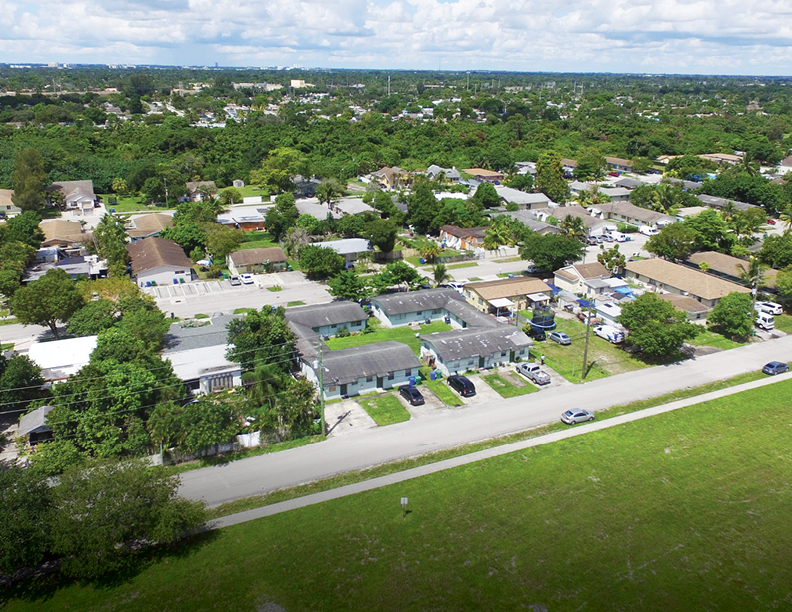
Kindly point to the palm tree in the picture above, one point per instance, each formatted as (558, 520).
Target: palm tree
(786, 218)
(266, 382)
(665, 198)
(573, 227)
(753, 274)
(728, 211)
(440, 274)
(430, 251)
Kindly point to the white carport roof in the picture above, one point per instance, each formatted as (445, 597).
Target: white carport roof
(538, 297)
(501, 303)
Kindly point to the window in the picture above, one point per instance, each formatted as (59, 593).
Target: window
(369, 378)
(471, 361)
(419, 313)
(408, 372)
(436, 311)
(178, 272)
(503, 354)
(391, 375)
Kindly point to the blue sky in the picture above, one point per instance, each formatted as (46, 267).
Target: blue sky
(673, 36)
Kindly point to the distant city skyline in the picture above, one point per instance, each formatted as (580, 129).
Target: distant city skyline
(620, 36)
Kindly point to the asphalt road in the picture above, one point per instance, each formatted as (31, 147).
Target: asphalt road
(264, 473)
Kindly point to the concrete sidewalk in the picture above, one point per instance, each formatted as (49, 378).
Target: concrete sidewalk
(447, 464)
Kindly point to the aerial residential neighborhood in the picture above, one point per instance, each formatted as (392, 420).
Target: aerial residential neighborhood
(286, 300)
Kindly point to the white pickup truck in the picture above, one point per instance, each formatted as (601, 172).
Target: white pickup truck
(533, 372)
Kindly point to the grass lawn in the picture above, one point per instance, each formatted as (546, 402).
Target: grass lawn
(381, 334)
(443, 393)
(130, 204)
(467, 264)
(711, 338)
(506, 388)
(604, 358)
(385, 409)
(683, 511)
(295, 303)
(508, 260)
(275, 288)
(8, 321)
(6, 347)
(414, 260)
(784, 323)
(244, 310)
(257, 240)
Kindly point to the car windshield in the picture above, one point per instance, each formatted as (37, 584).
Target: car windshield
(568, 413)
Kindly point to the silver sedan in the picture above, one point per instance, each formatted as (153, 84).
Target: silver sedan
(577, 415)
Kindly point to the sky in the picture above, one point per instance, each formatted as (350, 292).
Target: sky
(631, 36)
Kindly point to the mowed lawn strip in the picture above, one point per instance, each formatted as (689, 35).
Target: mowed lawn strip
(385, 409)
(604, 359)
(714, 339)
(441, 390)
(682, 511)
(381, 334)
(506, 388)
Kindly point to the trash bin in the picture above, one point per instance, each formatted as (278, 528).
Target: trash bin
(412, 381)
(422, 260)
(433, 375)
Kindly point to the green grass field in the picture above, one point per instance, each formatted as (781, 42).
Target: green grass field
(683, 511)
(385, 409)
(457, 266)
(443, 393)
(604, 358)
(507, 388)
(381, 334)
(784, 323)
(710, 338)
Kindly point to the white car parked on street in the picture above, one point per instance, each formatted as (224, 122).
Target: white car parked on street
(769, 308)
(648, 231)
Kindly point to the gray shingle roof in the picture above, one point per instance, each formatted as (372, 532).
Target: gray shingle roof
(347, 365)
(413, 301)
(319, 315)
(464, 343)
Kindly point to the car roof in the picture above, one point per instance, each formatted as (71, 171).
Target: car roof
(776, 363)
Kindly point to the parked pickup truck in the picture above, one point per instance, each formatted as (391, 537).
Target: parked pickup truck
(533, 372)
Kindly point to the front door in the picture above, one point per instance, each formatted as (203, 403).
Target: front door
(343, 390)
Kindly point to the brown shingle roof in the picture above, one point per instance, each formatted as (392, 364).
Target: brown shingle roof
(696, 283)
(145, 225)
(67, 231)
(618, 161)
(684, 303)
(482, 172)
(151, 253)
(728, 265)
(248, 257)
(508, 287)
(460, 232)
(592, 270)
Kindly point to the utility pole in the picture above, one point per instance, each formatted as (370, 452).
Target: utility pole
(321, 389)
(389, 85)
(165, 180)
(468, 80)
(587, 321)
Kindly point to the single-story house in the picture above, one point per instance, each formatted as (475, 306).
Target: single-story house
(715, 202)
(59, 359)
(361, 369)
(7, 207)
(568, 166)
(69, 236)
(596, 287)
(690, 211)
(594, 225)
(727, 266)
(205, 369)
(148, 226)
(158, 261)
(507, 294)
(197, 189)
(666, 276)
(629, 213)
(349, 248)
(250, 218)
(77, 195)
(573, 278)
(329, 319)
(608, 311)
(451, 175)
(317, 211)
(686, 185)
(484, 176)
(454, 352)
(616, 194)
(183, 335)
(256, 261)
(34, 425)
(351, 206)
(578, 187)
(398, 309)
(463, 238)
(88, 266)
(628, 183)
(695, 310)
(529, 220)
(722, 158)
(619, 164)
(526, 201)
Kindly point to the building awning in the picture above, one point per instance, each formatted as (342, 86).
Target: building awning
(554, 289)
(624, 290)
(538, 297)
(584, 303)
(501, 303)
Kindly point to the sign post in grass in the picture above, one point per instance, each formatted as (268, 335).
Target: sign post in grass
(404, 501)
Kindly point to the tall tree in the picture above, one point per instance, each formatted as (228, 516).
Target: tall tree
(551, 251)
(261, 337)
(349, 285)
(753, 273)
(440, 274)
(280, 168)
(550, 178)
(573, 227)
(320, 262)
(25, 506)
(674, 242)
(733, 315)
(655, 326)
(29, 180)
(422, 208)
(51, 299)
(281, 217)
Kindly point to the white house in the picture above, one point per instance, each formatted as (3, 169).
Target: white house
(349, 248)
(60, 359)
(454, 352)
(205, 369)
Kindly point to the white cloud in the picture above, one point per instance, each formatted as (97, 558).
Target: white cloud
(724, 36)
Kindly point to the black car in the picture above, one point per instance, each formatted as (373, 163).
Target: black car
(412, 395)
(462, 385)
(775, 367)
(537, 333)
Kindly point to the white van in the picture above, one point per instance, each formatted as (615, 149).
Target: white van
(609, 333)
(646, 230)
(619, 237)
(765, 321)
